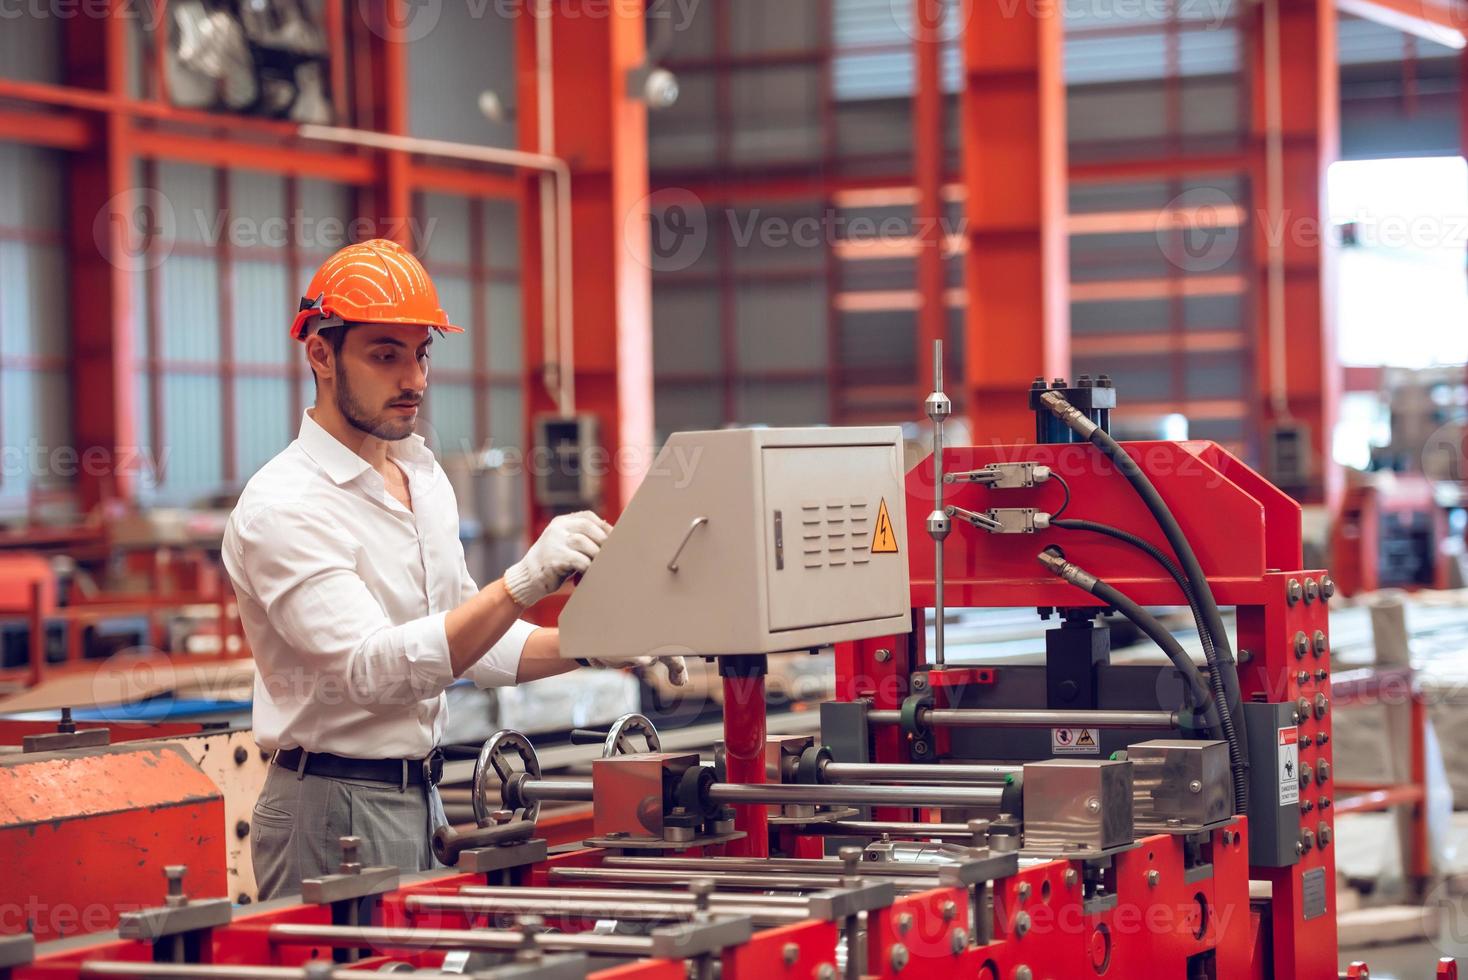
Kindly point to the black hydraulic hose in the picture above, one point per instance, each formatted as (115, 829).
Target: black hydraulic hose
(1053, 559)
(1223, 671)
(1157, 555)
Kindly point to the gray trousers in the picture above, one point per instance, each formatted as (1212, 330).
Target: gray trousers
(297, 824)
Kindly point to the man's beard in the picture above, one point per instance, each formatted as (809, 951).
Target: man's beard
(383, 425)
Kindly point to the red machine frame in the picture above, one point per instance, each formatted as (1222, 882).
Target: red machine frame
(1247, 537)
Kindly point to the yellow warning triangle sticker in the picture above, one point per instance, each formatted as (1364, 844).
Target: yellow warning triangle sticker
(1085, 738)
(884, 539)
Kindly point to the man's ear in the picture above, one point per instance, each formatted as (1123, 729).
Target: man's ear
(320, 357)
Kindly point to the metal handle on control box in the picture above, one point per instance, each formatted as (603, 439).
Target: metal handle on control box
(698, 522)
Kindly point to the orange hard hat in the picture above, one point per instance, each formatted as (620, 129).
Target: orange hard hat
(372, 282)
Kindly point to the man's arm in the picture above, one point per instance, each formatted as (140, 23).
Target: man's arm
(542, 656)
(478, 623)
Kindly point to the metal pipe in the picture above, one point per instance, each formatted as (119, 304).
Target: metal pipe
(878, 772)
(903, 796)
(939, 408)
(478, 940)
(716, 900)
(556, 790)
(757, 882)
(208, 971)
(580, 790)
(1028, 718)
(890, 828)
(632, 910)
(810, 866)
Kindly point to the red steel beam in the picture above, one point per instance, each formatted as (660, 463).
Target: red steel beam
(1304, 363)
(59, 131)
(1013, 126)
(1440, 23)
(928, 148)
(603, 134)
(101, 242)
(212, 151)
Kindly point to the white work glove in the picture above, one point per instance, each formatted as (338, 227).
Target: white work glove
(566, 547)
(677, 667)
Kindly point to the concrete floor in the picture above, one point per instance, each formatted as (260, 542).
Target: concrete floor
(1418, 960)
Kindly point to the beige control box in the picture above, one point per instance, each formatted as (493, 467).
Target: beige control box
(751, 541)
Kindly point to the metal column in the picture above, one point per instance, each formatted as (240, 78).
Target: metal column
(1014, 167)
(1295, 371)
(106, 240)
(603, 134)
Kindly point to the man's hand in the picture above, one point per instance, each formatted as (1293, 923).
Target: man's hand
(567, 547)
(677, 667)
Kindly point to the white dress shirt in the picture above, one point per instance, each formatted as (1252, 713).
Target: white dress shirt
(342, 594)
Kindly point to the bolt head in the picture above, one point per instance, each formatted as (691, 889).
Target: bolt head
(790, 953)
(958, 941)
(1319, 643)
(1071, 877)
(1302, 645)
(1023, 891)
(904, 922)
(950, 910)
(1023, 972)
(919, 682)
(1312, 590)
(1196, 786)
(1153, 877)
(898, 956)
(1021, 924)
(826, 972)
(1293, 591)
(1093, 805)
(1327, 586)
(883, 656)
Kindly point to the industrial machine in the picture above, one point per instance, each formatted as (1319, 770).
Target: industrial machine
(1075, 818)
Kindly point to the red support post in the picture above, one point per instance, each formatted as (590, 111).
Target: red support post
(1014, 165)
(602, 133)
(1296, 371)
(928, 151)
(102, 240)
(744, 748)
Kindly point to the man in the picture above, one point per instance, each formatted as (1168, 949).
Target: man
(345, 557)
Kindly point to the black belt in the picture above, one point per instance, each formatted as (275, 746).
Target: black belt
(403, 772)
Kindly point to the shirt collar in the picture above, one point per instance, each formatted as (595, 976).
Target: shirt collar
(341, 465)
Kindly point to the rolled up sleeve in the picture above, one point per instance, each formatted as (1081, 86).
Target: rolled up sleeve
(302, 570)
(500, 665)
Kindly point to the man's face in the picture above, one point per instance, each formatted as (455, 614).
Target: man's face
(381, 375)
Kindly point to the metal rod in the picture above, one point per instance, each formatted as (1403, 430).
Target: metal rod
(939, 408)
(1028, 718)
(208, 971)
(635, 910)
(893, 828)
(556, 790)
(716, 900)
(808, 866)
(877, 772)
(542, 790)
(905, 796)
(482, 940)
(757, 882)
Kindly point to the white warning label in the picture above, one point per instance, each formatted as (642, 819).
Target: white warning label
(1289, 765)
(1075, 741)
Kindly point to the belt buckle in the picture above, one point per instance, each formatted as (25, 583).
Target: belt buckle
(433, 767)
